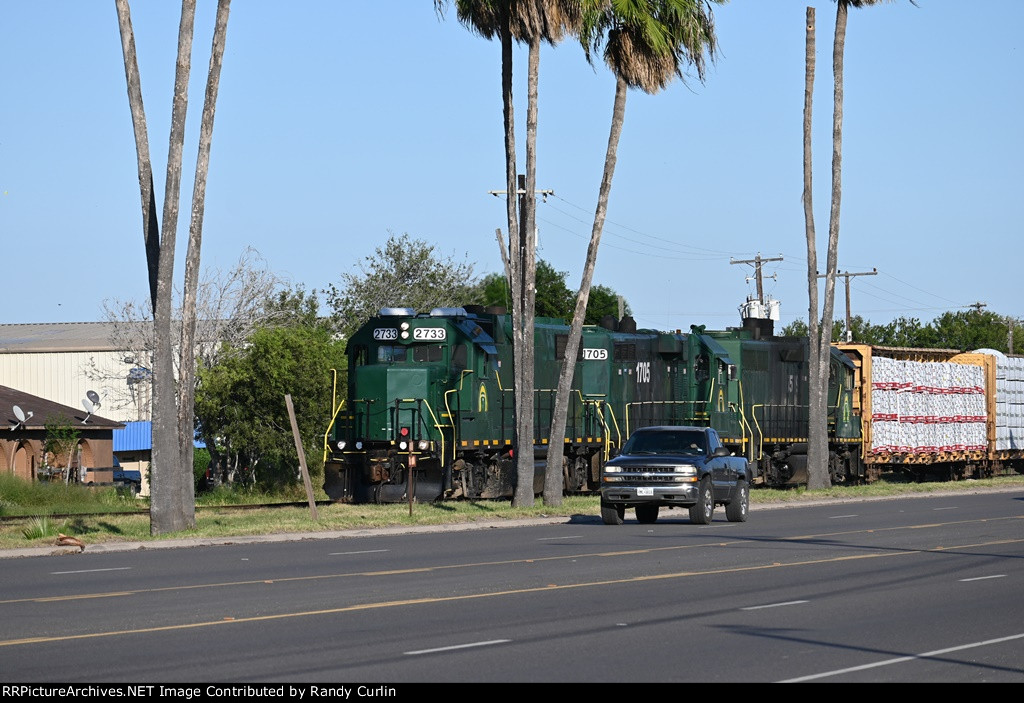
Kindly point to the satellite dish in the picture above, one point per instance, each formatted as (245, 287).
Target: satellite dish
(22, 416)
(87, 404)
(93, 396)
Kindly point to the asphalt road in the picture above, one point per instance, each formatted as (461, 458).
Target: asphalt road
(902, 590)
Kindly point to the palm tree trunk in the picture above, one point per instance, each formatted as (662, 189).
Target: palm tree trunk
(525, 437)
(167, 512)
(150, 223)
(817, 431)
(817, 459)
(187, 359)
(515, 252)
(553, 479)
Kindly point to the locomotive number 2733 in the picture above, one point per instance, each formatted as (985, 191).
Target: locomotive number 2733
(429, 333)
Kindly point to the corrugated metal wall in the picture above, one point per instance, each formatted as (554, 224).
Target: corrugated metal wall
(66, 377)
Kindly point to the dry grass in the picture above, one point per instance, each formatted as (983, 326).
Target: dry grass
(225, 521)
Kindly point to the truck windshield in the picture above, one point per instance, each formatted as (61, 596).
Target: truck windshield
(682, 442)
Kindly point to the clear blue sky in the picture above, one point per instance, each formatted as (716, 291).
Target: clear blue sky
(339, 122)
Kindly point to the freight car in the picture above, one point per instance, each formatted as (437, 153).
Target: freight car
(428, 411)
(938, 413)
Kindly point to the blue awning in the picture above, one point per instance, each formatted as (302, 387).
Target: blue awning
(138, 437)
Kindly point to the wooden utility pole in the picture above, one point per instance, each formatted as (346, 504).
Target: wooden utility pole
(521, 247)
(757, 261)
(302, 457)
(847, 276)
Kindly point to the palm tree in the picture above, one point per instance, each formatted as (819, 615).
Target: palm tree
(817, 436)
(646, 44)
(187, 349)
(533, 22)
(172, 506)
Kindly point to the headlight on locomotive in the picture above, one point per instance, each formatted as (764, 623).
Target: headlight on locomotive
(340, 445)
(422, 445)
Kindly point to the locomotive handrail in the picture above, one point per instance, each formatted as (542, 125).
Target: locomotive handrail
(694, 415)
(744, 423)
(448, 409)
(738, 409)
(760, 432)
(618, 430)
(329, 426)
(334, 414)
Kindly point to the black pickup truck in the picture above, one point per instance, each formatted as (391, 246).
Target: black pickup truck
(675, 466)
(128, 480)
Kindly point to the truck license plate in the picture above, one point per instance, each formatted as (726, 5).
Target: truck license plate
(645, 492)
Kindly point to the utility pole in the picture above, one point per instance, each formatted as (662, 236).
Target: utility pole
(522, 234)
(847, 275)
(757, 261)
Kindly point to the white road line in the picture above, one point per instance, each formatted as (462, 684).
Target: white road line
(368, 551)
(898, 660)
(837, 517)
(982, 578)
(775, 605)
(543, 539)
(89, 571)
(458, 646)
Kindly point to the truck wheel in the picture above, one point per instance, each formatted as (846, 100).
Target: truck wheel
(704, 510)
(647, 514)
(737, 508)
(612, 514)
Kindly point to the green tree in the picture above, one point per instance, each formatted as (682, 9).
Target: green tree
(403, 272)
(646, 44)
(241, 400)
(60, 442)
(603, 301)
(553, 296)
(554, 299)
(968, 330)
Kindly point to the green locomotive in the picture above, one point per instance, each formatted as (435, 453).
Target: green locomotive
(429, 406)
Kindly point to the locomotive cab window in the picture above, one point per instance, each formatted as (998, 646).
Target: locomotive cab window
(700, 368)
(460, 357)
(428, 352)
(391, 354)
(398, 354)
(360, 355)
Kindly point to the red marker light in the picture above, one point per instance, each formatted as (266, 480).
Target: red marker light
(403, 432)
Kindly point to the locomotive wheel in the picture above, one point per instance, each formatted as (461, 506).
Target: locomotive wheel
(647, 514)
(739, 506)
(612, 514)
(703, 512)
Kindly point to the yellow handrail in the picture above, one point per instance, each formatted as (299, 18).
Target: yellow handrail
(334, 416)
